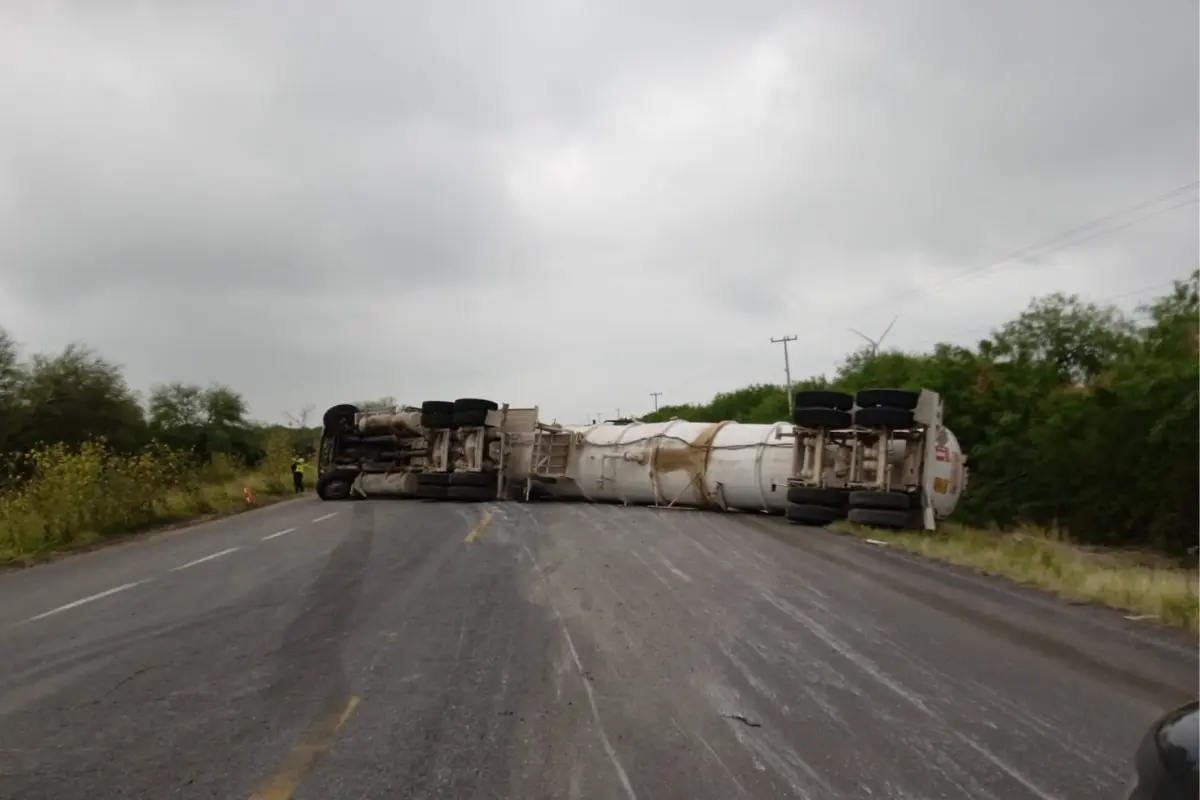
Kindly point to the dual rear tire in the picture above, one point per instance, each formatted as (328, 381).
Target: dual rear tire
(814, 506)
(875, 509)
(471, 487)
(870, 408)
(464, 412)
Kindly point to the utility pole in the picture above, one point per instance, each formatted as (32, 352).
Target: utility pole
(656, 395)
(787, 369)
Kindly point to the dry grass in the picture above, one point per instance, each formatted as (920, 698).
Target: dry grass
(1139, 583)
(80, 498)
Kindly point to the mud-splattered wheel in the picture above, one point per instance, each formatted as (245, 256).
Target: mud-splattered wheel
(336, 484)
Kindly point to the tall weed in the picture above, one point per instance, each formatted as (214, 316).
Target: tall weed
(76, 496)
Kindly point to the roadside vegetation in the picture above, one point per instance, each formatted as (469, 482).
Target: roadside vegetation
(1082, 425)
(83, 459)
(1141, 583)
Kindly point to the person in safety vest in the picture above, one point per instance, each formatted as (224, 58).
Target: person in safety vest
(298, 467)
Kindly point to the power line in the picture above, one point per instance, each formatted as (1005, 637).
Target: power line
(1133, 292)
(1040, 247)
(1115, 228)
(1132, 317)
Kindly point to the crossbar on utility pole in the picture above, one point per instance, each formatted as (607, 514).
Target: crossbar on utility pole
(656, 395)
(787, 369)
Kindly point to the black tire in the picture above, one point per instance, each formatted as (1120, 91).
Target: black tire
(435, 420)
(878, 518)
(892, 418)
(890, 398)
(839, 401)
(821, 418)
(471, 494)
(812, 496)
(339, 418)
(433, 479)
(474, 404)
(516, 492)
(472, 479)
(429, 492)
(469, 418)
(335, 484)
(887, 501)
(437, 407)
(812, 515)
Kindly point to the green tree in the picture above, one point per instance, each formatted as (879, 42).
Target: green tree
(1071, 414)
(175, 406)
(72, 397)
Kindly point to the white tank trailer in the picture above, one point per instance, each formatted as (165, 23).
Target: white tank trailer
(882, 457)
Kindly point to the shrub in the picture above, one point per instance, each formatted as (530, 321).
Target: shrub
(78, 495)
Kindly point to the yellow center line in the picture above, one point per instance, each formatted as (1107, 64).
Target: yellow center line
(312, 744)
(478, 527)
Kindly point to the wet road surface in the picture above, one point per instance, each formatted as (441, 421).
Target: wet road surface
(498, 650)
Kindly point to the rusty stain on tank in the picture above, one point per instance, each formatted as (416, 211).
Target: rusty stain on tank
(690, 458)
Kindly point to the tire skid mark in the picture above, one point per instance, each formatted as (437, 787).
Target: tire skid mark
(606, 743)
(869, 667)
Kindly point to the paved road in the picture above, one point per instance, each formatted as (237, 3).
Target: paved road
(405, 650)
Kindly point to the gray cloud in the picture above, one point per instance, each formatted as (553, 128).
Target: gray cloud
(565, 204)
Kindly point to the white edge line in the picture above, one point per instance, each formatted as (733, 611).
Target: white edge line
(89, 599)
(283, 532)
(327, 516)
(206, 558)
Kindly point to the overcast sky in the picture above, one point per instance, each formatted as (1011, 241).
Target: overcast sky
(574, 204)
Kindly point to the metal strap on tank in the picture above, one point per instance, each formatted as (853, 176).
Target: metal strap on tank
(703, 477)
(616, 483)
(760, 451)
(654, 483)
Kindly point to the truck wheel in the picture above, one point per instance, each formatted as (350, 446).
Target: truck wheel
(469, 418)
(889, 501)
(812, 515)
(888, 398)
(878, 518)
(431, 492)
(485, 479)
(336, 484)
(437, 421)
(339, 418)
(812, 496)
(821, 418)
(471, 494)
(474, 404)
(893, 418)
(436, 414)
(839, 401)
(433, 479)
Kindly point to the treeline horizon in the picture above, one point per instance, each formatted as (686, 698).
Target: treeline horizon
(1073, 416)
(76, 397)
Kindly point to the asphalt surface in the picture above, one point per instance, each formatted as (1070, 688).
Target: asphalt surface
(415, 649)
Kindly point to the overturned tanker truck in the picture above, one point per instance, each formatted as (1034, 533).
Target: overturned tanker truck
(882, 457)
